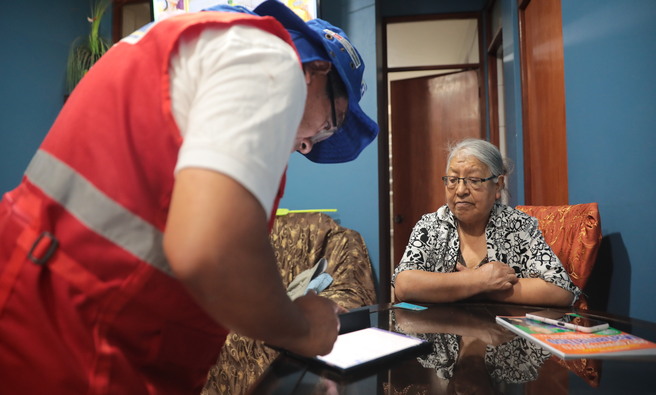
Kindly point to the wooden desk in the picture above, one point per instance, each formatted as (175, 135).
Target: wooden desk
(472, 354)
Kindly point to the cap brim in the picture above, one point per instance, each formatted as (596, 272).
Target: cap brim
(356, 133)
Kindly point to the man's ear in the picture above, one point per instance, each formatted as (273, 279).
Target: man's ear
(314, 68)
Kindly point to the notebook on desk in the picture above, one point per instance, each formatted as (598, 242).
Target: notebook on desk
(571, 344)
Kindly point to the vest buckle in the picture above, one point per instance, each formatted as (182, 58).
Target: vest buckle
(51, 247)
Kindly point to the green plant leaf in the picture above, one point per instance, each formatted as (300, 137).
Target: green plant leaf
(86, 51)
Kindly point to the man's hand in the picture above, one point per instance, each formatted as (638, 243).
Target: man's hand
(323, 323)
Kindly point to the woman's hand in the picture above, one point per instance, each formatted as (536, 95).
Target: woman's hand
(494, 276)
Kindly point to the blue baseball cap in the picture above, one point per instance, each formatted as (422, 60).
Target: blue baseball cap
(319, 40)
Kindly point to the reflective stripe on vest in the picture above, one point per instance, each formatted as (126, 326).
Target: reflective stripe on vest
(96, 210)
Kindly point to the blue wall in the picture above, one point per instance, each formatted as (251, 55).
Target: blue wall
(512, 86)
(610, 88)
(36, 38)
(610, 58)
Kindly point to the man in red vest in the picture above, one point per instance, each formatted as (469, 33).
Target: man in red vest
(139, 234)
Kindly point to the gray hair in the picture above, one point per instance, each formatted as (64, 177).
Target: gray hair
(482, 150)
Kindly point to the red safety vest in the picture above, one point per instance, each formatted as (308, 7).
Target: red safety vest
(88, 304)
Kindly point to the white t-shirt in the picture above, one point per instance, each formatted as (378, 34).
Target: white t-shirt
(238, 95)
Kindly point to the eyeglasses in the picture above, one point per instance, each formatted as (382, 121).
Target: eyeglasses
(325, 134)
(451, 182)
(331, 96)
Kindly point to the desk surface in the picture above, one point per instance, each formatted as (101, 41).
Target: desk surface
(471, 354)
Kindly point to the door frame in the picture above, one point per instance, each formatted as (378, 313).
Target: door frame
(543, 103)
(117, 15)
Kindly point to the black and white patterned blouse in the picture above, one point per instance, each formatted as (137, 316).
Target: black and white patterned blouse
(512, 237)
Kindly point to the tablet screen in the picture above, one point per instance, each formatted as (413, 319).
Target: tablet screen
(366, 345)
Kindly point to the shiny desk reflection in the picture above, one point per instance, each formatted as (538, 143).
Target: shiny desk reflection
(471, 354)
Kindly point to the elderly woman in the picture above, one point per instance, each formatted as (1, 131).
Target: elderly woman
(475, 246)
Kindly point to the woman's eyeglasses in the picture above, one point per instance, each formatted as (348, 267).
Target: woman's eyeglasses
(451, 182)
